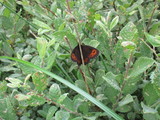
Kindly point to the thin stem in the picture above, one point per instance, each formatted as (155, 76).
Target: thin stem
(124, 82)
(78, 36)
(66, 39)
(86, 84)
(150, 48)
(80, 48)
(149, 22)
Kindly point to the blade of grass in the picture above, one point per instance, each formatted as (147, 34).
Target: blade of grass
(75, 88)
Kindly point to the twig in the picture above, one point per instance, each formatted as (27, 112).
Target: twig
(61, 106)
(78, 36)
(155, 3)
(47, 9)
(80, 48)
(149, 47)
(66, 39)
(86, 84)
(124, 82)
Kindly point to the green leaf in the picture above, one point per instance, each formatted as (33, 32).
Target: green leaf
(98, 78)
(124, 109)
(114, 23)
(54, 92)
(21, 97)
(62, 115)
(14, 82)
(78, 90)
(40, 81)
(19, 25)
(3, 86)
(51, 112)
(135, 5)
(149, 93)
(147, 109)
(128, 45)
(61, 98)
(51, 60)
(131, 85)
(6, 22)
(36, 100)
(99, 23)
(141, 65)
(41, 47)
(154, 41)
(129, 33)
(110, 79)
(128, 99)
(41, 24)
(6, 109)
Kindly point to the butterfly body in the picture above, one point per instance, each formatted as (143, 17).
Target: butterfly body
(87, 51)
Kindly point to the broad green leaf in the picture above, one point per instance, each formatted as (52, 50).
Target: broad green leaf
(99, 23)
(19, 25)
(150, 95)
(14, 83)
(62, 115)
(51, 60)
(21, 97)
(141, 65)
(155, 41)
(129, 45)
(124, 109)
(59, 36)
(147, 109)
(129, 33)
(114, 23)
(80, 84)
(68, 103)
(42, 47)
(40, 81)
(7, 111)
(62, 26)
(36, 100)
(26, 69)
(155, 80)
(135, 5)
(84, 108)
(111, 94)
(110, 79)
(131, 85)
(54, 92)
(61, 98)
(145, 51)
(98, 77)
(150, 116)
(41, 31)
(44, 110)
(128, 99)
(3, 86)
(6, 22)
(51, 112)
(41, 24)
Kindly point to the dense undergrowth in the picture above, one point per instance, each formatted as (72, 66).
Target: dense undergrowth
(123, 81)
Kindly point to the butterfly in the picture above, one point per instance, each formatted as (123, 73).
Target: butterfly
(87, 51)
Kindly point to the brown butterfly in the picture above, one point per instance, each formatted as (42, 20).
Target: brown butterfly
(87, 51)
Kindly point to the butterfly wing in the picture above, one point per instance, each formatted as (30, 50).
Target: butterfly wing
(90, 52)
(87, 51)
(75, 55)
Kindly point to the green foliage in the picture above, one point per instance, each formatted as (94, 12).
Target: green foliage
(125, 77)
